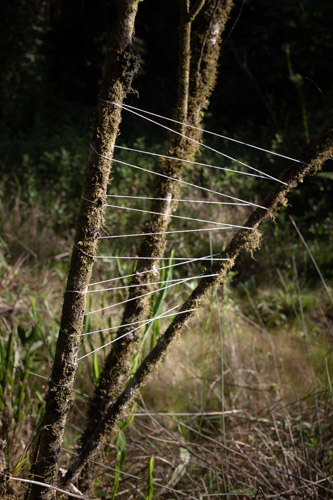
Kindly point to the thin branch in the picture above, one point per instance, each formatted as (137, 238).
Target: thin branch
(196, 9)
(50, 486)
(121, 62)
(234, 25)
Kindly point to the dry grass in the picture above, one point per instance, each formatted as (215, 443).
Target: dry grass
(274, 440)
(31, 256)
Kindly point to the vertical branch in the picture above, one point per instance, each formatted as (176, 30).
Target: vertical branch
(184, 63)
(206, 47)
(120, 65)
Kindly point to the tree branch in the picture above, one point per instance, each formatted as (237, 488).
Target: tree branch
(196, 9)
(120, 65)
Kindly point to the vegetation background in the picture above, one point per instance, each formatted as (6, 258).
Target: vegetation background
(263, 347)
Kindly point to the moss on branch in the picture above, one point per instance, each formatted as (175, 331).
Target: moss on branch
(120, 65)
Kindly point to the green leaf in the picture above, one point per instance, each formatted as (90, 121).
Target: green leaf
(150, 481)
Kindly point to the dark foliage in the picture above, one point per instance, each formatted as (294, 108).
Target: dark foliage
(274, 89)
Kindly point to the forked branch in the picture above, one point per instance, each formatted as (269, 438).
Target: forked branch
(194, 90)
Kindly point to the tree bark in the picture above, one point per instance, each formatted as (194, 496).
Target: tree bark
(202, 25)
(120, 65)
(315, 156)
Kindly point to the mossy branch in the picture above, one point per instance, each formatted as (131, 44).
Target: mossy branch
(196, 8)
(315, 156)
(119, 68)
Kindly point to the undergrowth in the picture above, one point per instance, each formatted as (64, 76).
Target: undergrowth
(240, 408)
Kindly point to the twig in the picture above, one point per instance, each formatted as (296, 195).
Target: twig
(50, 486)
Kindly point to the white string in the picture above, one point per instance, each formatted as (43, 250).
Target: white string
(84, 292)
(192, 162)
(184, 182)
(161, 316)
(115, 327)
(154, 270)
(244, 204)
(163, 232)
(175, 199)
(86, 199)
(143, 258)
(180, 217)
(196, 142)
(214, 133)
(60, 385)
(132, 286)
(150, 293)
(130, 257)
(175, 179)
(127, 324)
